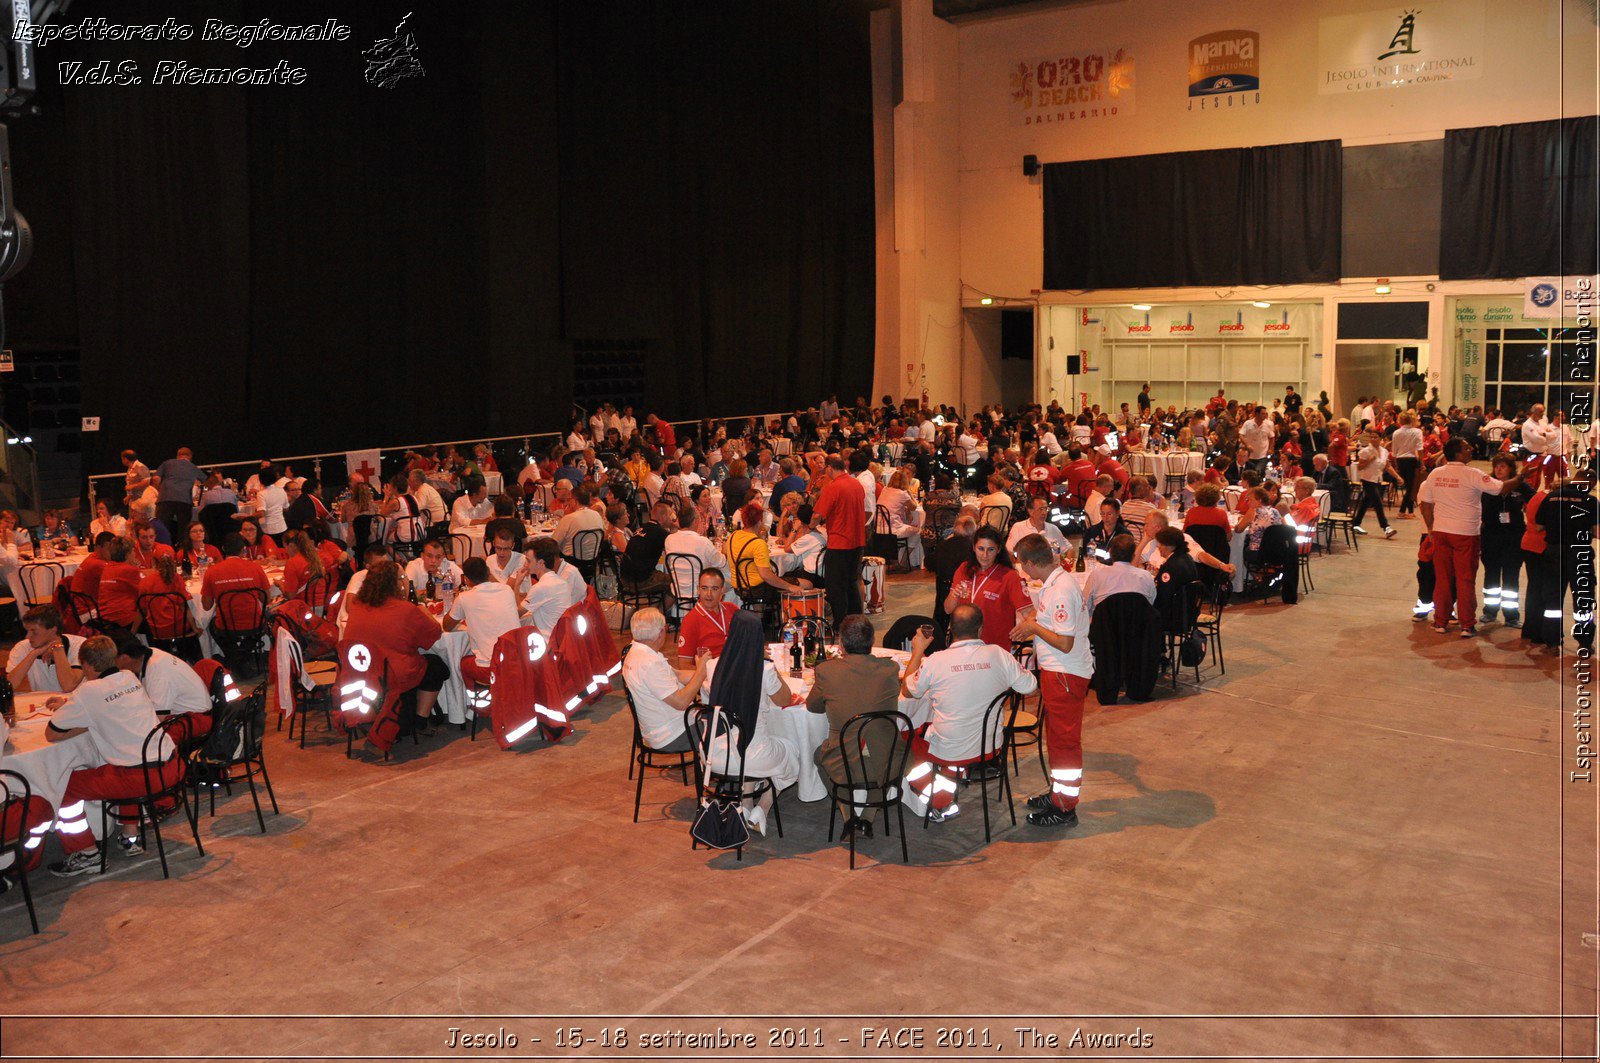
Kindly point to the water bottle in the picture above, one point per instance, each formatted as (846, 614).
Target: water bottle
(447, 591)
(791, 649)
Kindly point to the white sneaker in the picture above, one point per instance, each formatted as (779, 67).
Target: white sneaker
(950, 813)
(1360, 530)
(756, 817)
(1388, 533)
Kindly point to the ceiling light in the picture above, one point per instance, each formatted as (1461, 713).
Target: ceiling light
(1141, 306)
(1260, 304)
(986, 301)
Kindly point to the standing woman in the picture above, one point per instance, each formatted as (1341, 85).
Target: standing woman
(1371, 461)
(989, 582)
(1501, 544)
(1405, 446)
(1339, 444)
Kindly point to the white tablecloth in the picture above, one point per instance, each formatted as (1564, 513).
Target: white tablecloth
(1160, 465)
(69, 564)
(495, 483)
(47, 765)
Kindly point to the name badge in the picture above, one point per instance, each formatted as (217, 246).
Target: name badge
(1505, 518)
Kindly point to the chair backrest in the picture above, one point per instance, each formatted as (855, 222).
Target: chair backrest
(746, 576)
(458, 547)
(236, 730)
(887, 732)
(166, 615)
(698, 720)
(166, 738)
(898, 637)
(684, 572)
(1212, 539)
(243, 610)
(943, 520)
(15, 795)
(882, 523)
(586, 544)
(992, 741)
(39, 581)
(995, 516)
(82, 607)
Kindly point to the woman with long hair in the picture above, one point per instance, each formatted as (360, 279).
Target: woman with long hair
(302, 568)
(379, 617)
(195, 551)
(744, 685)
(257, 547)
(990, 582)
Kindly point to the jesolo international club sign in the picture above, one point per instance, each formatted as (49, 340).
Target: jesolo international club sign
(1224, 70)
(1416, 44)
(1072, 86)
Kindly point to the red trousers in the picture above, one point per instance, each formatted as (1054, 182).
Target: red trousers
(108, 781)
(1061, 701)
(34, 822)
(931, 772)
(1455, 578)
(473, 672)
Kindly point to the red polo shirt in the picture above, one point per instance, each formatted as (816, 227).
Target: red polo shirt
(702, 629)
(118, 595)
(842, 506)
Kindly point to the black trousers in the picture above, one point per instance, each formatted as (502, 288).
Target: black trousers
(1409, 467)
(843, 582)
(176, 516)
(1550, 577)
(1371, 496)
(1502, 572)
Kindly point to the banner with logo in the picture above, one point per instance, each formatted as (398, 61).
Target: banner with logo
(1072, 86)
(1224, 70)
(1399, 46)
(1558, 297)
(1201, 322)
(363, 463)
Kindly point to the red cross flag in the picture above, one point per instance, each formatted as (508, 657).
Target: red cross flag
(363, 463)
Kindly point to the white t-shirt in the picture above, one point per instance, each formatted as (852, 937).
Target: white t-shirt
(530, 474)
(349, 595)
(1456, 491)
(684, 541)
(547, 600)
(417, 573)
(1406, 442)
(513, 573)
(568, 573)
(1023, 529)
(1061, 610)
(173, 686)
(119, 716)
(1258, 437)
(489, 610)
(1540, 437)
(869, 485)
(274, 500)
(1370, 463)
(960, 682)
(581, 519)
(42, 672)
(463, 512)
(651, 681)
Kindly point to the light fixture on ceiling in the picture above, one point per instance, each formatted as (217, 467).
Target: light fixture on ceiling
(986, 301)
(1261, 304)
(1141, 306)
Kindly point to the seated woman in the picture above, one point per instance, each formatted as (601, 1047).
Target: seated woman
(195, 552)
(617, 530)
(1098, 540)
(751, 561)
(257, 547)
(105, 520)
(380, 617)
(1208, 509)
(1263, 515)
(743, 683)
(1149, 557)
(788, 523)
(303, 570)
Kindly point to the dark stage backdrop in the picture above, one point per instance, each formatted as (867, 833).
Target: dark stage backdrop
(1265, 215)
(1520, 200)
(279, 270)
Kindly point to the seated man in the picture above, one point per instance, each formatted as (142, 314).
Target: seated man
(232, 573)
(549, 595)
(1037, 524)
(172, 686)
(505, 562)
(705, 627)
(660, 693)
(644, 550)
(118, 597)
(45, 659)
(375, 552)
(1119, 576)
(145, 546)
(86, 580)
(581, 519)
(489, 609)
(845, 687)
(808, 546)
(430, 568)
(960, 683)
(685, 540)
(111, 709)
(472, 509)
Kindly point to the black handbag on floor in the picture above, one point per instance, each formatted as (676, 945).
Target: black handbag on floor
(719, 824)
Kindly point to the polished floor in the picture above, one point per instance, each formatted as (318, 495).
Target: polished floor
(1360, 819)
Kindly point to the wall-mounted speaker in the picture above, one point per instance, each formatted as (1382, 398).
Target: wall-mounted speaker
(1074, 364)
(1030, 165)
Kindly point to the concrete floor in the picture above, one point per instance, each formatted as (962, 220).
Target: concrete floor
(1360, 819)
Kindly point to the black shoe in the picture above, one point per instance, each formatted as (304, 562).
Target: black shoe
(994, 769)
(1040, 802)
(1054, 817)
(862, 827)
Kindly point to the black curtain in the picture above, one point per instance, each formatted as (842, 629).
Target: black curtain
(1234, 216)
(1520, 201)
(296, 269)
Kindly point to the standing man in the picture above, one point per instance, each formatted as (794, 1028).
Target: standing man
(1452, 511)
(1542, 441)
(842, 507)
(174, 481)
(1257, 434)
(1292, 402)
(138, 476)
(1144, 401)
(1059, 629)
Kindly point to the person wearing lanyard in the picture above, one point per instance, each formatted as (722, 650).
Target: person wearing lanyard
(989, 582)
(1060, 633)
(706, 626)
(1502, 530)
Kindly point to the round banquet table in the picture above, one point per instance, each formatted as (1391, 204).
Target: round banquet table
(69, 562)
(46, 765)
(451, 647)
(1162, 464)
(807, 730)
